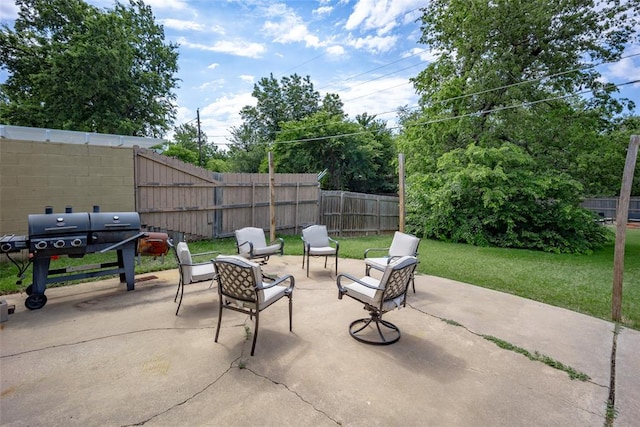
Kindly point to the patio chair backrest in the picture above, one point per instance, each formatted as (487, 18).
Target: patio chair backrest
(185, 261)
(403, 245)
(251, 234)
(238, 278)
(316, 236)
(396, 278)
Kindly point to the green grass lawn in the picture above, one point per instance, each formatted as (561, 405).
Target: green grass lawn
(581, 283)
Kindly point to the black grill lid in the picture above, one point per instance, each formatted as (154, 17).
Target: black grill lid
(115, 221)
(58, 224)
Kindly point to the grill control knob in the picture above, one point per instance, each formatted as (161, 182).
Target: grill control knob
(41, 245)
(5, 248)
(59, 244)
(76, 242)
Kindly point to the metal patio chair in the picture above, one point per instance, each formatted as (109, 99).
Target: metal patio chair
(242, 288)
(316, 242)
(252, 244)
(379, 297)
(191, 272)
(402, 245)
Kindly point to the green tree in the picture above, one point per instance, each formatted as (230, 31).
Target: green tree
(352, 153)
(512, 73)
(291, 98)
(499, 197)
(74, 66)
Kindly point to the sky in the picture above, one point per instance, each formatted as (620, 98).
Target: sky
(364, 50)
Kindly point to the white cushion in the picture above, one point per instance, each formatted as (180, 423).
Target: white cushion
(250, 234)
(316, 236)
(324, 250)
(403, 244)
(202, 272)
(363, 293)
(377, 263)
(184, 255)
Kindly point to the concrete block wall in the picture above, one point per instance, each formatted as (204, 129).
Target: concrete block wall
(38, 174)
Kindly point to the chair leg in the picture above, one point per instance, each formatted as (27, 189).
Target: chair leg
(178, 289)
(336, 263)
(181, 293)
(255, 333)
(290, 312)
(219, 319)
(308, 264)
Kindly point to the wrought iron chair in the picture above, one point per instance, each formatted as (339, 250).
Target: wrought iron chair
(402, 245)
(316, 242)
(241, 288)
(191, 272)
(379, 297)
(252, 244)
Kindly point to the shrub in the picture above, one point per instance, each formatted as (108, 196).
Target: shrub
(498, 197)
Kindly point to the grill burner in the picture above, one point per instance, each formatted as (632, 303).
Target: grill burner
(76, 234)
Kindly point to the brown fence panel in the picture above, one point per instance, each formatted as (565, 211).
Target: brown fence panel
(356, 214)
(175, 196)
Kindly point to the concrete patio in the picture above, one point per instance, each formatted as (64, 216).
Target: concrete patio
(98, 355)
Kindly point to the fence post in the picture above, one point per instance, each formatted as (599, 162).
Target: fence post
(621, 227)
(401, 192)
(272, 199)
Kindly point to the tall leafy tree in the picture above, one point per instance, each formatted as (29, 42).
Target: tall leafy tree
(514, 72)
(291, 98)
(74, 66)
(358, 155)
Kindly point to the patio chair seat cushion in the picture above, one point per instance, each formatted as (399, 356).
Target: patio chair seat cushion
(267, 250)
(377, 263)
(371, 296)
(202, 272)
(322, 250)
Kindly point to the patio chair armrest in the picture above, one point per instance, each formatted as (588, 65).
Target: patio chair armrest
(335, 242)
(279, 241)
(246, 242)
(366, 252)
(278, 281)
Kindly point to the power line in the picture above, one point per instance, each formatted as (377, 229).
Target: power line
(444, 119)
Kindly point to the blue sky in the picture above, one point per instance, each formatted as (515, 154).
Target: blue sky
(363, 50)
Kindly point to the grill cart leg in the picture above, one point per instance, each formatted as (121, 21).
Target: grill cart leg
(36, 299)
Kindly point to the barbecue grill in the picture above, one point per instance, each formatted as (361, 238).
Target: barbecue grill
(76, 234)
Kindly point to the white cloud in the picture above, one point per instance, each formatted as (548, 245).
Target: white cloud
(213, 84)
(425, 55)
(288, 27)
(179, 24)
(213, 66)
(381, 15)
(378, 97)
(236, 47)
(623, 71)
(247, 78)
(323, 10)
(167, 4)
(8, 11)
(335, 50)
(374, 44)
(218, 117)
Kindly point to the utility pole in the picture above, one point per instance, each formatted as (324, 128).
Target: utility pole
(199, 138)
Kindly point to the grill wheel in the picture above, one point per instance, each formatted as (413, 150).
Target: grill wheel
(35, 301)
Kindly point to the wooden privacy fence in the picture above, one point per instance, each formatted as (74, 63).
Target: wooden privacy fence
(178, 197)
(357, 214)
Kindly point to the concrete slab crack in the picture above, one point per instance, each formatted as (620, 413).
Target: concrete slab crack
(535, 356)
(320, 411)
